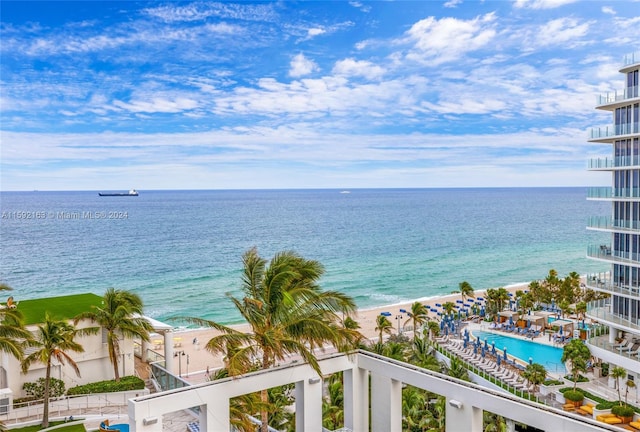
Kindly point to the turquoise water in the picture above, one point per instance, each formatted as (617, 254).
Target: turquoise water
(181, 250)
(546, 355)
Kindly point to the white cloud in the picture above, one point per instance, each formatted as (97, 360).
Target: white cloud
(452, 3)
(300, 66)
(439, 41)
(312, 32)
(608, 10)
(352, 67)
(157, 105)
(542, 4)
(560, 31)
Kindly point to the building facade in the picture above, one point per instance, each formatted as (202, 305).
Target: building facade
(621, 311)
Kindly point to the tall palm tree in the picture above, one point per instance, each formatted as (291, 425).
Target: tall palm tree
(383, 325)
(418, 315)
(577, 353)
(617, 373)
(287, 312)
(121, 317)
(13, 335)
(535, 373)
(52, 341)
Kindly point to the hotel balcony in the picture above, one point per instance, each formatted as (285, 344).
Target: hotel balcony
(601, 311)
(603, 349)
(608, 164)
(605, 253)
(603, 282)
(609, 193)
(612, 99)
(629, 60)
(610, 133)
(606, 223)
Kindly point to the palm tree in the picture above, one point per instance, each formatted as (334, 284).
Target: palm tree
(121, 316)
(13, 335)
(457, 369)
(53, 340)
(383, 325)
(287, 312)
(418, 314)
(617, 373)
(577, 353)
(466, 290)
(535, 373)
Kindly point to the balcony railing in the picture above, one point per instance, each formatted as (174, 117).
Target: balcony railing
(603, 282)
(613, 131)
(601, 310)
(617, 95)
(632, 58)
(618, 162)
(609, 192)
(607, 222)
(603, 343)
(605, 252)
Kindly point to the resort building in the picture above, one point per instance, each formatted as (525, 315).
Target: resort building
(94, 363)
(621, 311)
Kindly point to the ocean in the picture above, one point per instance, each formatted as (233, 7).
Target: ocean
(181, 250)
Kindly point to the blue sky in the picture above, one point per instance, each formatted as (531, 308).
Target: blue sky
(204, 95)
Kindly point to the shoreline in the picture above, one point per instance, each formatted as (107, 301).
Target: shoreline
(193, 340)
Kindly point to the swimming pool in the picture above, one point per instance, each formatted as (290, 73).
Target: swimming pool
(546, 355)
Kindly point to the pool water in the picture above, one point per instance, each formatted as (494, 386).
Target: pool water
(546, 355)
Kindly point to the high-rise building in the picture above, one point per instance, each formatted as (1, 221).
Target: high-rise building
(621, 311)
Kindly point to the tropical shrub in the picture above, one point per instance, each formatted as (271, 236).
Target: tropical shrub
(574, 395)
(35, 390)
(622, 410)
(109, 386)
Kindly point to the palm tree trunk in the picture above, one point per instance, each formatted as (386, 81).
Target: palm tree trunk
(45, 411)
(114, 360)
(264, 396)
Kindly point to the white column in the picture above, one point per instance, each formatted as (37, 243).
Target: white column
(511, 425)
(214, 416)
(137, 423)
(386, 404)
(168, 350)
(309, 405)
(462, 416)
(356, 399)
(613, 333)
(144, 347)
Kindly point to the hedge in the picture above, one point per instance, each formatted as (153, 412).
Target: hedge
(109, 386)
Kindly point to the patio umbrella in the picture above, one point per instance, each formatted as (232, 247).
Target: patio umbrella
(493, 348)
(464, 344)
(442, 325)
(560, 331)
(498, 360)
(486, 343)
(475, 349)
(483, 352)
(504, 353)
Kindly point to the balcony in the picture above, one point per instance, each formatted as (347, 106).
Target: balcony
(601, 311)
(617, 96)
(611, 163)
(631, 59)
(607, 223)
(607, 192)
(605, 253)
(606, 134)
(603, 282)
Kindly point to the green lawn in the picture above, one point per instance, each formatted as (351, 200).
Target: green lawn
(64, 307)
(70, 428)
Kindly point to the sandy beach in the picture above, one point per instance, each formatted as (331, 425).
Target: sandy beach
(196, 361)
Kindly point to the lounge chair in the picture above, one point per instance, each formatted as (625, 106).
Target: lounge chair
(624, 344)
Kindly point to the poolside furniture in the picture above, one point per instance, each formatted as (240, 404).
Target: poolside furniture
(104, 426)
(568, 407)
(635, 425)
(586, 409)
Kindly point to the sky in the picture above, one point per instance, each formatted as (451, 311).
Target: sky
(110, 95)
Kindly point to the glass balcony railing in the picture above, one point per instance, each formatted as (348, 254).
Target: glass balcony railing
(604, 252)
(613, 131)
(609, 192)
(603, 282)
(617, 95)
(603, 343)
(632, 58)
(617, 162)
(607, 222)
(601, 310)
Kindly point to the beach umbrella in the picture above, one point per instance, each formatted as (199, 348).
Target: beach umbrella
(486, 343)
(464, 343)
(438, 305)
(459, 301)
(498, 360)
(475, 349)
(441, 324)
(446, 331)
(480, 298)
(560, 331)
(504, 353)
(530, 360)
(493, 348)
(482, 352)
